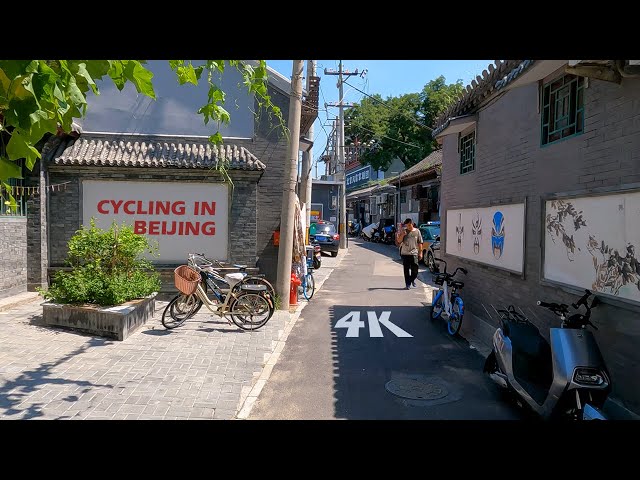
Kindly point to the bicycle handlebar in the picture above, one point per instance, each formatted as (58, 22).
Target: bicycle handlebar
(583, 300)
(462, 269)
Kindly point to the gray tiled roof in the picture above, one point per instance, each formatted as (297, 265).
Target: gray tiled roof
(492, 80)
(427, 163)
(146, 151)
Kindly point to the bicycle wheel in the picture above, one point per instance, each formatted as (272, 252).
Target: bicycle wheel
(455, 321)
(179, 309)
(437, 307)
(256, 280)
(250, 311)
(309, 286)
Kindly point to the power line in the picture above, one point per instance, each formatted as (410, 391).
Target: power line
(386, 105)
(389, 138)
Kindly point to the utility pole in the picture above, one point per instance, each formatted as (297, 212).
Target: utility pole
(307, 157)
(343, 195)
(285, 249)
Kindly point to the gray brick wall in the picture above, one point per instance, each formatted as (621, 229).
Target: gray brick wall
(13, 255)
(65, 209)
(511, 165)
(270, 146)
(36, 226)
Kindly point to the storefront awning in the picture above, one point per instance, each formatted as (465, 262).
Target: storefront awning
(147, 151)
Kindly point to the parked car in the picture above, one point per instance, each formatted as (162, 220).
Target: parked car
(433, 252)
(327, 237)
(430, 234)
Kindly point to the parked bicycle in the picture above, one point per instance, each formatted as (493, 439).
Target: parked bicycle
(308, 285)
(200, 262)
(447, 303)
(245, 302)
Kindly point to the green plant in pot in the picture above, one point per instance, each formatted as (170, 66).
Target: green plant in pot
(107, 268)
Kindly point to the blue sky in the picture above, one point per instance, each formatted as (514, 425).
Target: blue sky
(386, 77)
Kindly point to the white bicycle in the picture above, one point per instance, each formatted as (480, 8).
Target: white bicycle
(447, 303)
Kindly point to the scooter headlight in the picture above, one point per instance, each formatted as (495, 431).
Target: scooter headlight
(589, 376)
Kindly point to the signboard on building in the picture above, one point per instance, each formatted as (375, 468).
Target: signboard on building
(182, 217)
(358, 177)
(316, 212)
(491, 235)
(594, 243)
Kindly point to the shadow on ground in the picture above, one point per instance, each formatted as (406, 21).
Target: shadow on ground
(14, 392)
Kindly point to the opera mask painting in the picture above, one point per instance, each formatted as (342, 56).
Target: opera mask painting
(460, 232)
(497, 234)
(476, 231)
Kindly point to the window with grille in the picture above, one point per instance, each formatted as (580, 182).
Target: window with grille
(467, 152)
(20, 210)
(562, 108)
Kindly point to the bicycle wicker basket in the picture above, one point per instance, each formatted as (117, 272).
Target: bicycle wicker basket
(186, 279)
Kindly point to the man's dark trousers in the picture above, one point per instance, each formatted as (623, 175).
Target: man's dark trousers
(410, 265)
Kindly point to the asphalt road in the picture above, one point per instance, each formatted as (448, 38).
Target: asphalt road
(364, 336)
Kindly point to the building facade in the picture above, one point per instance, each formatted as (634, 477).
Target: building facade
(325, 200)
(418, 190)
(541, 198)
(157, 151)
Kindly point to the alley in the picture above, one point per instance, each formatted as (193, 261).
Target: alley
(364, 336)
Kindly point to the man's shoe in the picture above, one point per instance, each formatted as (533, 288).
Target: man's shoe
(407, 287)
(413, 284)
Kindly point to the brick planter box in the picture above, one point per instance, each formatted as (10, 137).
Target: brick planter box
(116, 322)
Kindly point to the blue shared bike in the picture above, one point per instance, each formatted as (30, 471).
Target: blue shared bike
(447, 302)
(308, 286)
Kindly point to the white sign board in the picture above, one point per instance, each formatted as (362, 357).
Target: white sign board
(182, 217)
(491, 235)
(594, 243)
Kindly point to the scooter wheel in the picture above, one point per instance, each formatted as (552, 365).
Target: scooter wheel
(491, 363)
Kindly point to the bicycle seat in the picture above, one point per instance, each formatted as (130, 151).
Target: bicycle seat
(241, 267)
(457, 284)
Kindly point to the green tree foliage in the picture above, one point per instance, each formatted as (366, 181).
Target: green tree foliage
(106, 268)
(397, 127)
(436, 97)
(44, 96)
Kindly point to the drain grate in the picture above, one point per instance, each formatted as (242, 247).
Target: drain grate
(416, 389)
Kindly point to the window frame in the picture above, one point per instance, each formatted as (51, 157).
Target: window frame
(462, 152)
(549, 107)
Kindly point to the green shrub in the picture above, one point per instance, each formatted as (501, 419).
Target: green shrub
(106, 268)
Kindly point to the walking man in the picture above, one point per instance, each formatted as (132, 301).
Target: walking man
(410, 241)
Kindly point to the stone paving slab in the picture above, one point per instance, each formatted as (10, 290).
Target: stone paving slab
(203, 369)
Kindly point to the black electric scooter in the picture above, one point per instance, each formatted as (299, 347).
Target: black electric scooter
(565, 379)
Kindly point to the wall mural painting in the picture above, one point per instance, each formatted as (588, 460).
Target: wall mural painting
(591, 243)
(476, 231)
(504, 248)
(497, 234)
(460, 232)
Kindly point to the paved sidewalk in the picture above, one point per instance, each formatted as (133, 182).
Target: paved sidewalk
(203, 369)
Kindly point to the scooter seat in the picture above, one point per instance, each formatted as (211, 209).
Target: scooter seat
(531, 357)
(525, 337)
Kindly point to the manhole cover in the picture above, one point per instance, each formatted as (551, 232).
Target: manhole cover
(416, 389)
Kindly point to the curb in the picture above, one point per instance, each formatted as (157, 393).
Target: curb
(19, 300)
(248, 399)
